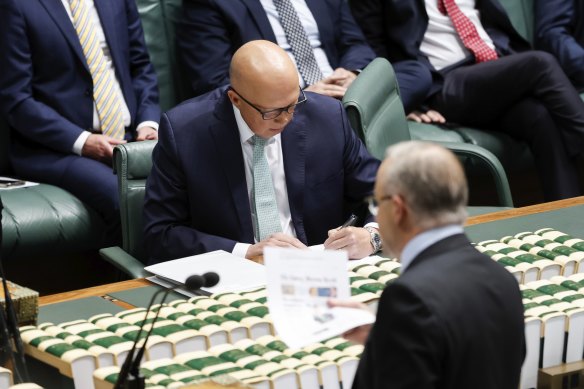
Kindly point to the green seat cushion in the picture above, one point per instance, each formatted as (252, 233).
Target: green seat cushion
(429, 132)
(514, 155)
(45, 219)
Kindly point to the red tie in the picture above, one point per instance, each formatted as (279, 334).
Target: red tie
(467, 32)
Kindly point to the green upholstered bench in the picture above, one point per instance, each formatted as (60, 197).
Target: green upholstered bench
(44, 220)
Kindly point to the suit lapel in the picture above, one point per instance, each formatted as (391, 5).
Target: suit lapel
(57, 12)
(261, 19)
(228, 148)
(325, 28)
(294, 151)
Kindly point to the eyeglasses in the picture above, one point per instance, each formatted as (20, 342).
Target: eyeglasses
(373, 205)
(274, 113)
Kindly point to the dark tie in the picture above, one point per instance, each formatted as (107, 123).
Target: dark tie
(299, 43)
(467, 32)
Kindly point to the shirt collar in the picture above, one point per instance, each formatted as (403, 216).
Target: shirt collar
(426, 239)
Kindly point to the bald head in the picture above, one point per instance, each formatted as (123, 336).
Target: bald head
(429, 178)
(262, 66)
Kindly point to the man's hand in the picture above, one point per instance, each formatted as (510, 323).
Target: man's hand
(146, 133)
(100, 147)
(426, 117)
(356, 240)
(331, 90)
(276, 240)
(359, 334)
(341, 77)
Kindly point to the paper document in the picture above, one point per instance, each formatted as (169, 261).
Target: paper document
(8, 183)
(235, 273)
(299, 284)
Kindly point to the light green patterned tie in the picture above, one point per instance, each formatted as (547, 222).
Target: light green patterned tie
(264, 198)
(107, 101)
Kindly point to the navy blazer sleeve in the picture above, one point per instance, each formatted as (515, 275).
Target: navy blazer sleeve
(369, 15)
(355, 52)
(554, 33)
(28, 115)
(167, 232)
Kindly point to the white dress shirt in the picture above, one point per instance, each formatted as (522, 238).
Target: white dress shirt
(275, 159)
(78, 145)
(311, 28)
(441, 43)
(426, 239)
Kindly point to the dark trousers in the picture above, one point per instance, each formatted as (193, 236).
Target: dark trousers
(528, 96)
(90, 181)
(414, 81)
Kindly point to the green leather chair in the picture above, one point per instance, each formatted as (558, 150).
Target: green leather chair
(376, 113)
(132, 164)
(43, 219)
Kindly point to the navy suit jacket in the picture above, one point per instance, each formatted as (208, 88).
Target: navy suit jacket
(395, 29)
(196, 195)
(453, 319)
(45, 84)
(559, 29)
(212, 30)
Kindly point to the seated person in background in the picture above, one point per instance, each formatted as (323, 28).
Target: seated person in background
(559, 30)
(321, 37)
(68, 100)
(488, 80)
(259, 163)
(454, 317)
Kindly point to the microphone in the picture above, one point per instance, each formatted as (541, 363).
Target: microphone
(130, 377)
(9, 321)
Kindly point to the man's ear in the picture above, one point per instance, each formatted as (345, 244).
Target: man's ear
(234, 98)
(400, 211)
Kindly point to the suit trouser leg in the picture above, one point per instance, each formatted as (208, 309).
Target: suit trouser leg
(414, 81)
(530, 120)
(91, 181)
(483, 94)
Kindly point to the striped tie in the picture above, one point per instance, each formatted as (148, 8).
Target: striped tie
(107, 100)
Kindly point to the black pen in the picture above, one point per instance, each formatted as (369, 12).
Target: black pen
(350, 222)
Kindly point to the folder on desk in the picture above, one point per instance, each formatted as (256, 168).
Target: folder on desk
(235, 273)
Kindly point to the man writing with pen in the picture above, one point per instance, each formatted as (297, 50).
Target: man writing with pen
(259, 163)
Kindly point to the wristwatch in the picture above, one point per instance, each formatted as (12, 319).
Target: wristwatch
(375, 239)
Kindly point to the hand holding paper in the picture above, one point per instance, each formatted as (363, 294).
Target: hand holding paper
(358, 334)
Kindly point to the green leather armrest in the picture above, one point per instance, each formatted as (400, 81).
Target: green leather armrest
(123, 261)
(493, 165)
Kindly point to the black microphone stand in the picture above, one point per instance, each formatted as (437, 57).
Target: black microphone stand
(130, 376)
(9, 323)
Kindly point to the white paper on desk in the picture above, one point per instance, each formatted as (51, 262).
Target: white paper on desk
(25, 185)
(299, 284)
(235, 273)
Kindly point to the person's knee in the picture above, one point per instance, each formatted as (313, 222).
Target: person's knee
(543, 60)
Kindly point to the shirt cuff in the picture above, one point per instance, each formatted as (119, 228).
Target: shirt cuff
(240, 249)
(372, 224)
(80, 142)
(148, 123)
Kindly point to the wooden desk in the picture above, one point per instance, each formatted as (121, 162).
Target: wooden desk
(138, 283)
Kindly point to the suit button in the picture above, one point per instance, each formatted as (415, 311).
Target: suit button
(87, 92)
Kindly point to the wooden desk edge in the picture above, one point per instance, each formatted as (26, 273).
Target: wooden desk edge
(138, 283)
(93, 291)
(524, 211)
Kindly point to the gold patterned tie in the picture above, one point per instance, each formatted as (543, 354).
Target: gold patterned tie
(107, 101)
